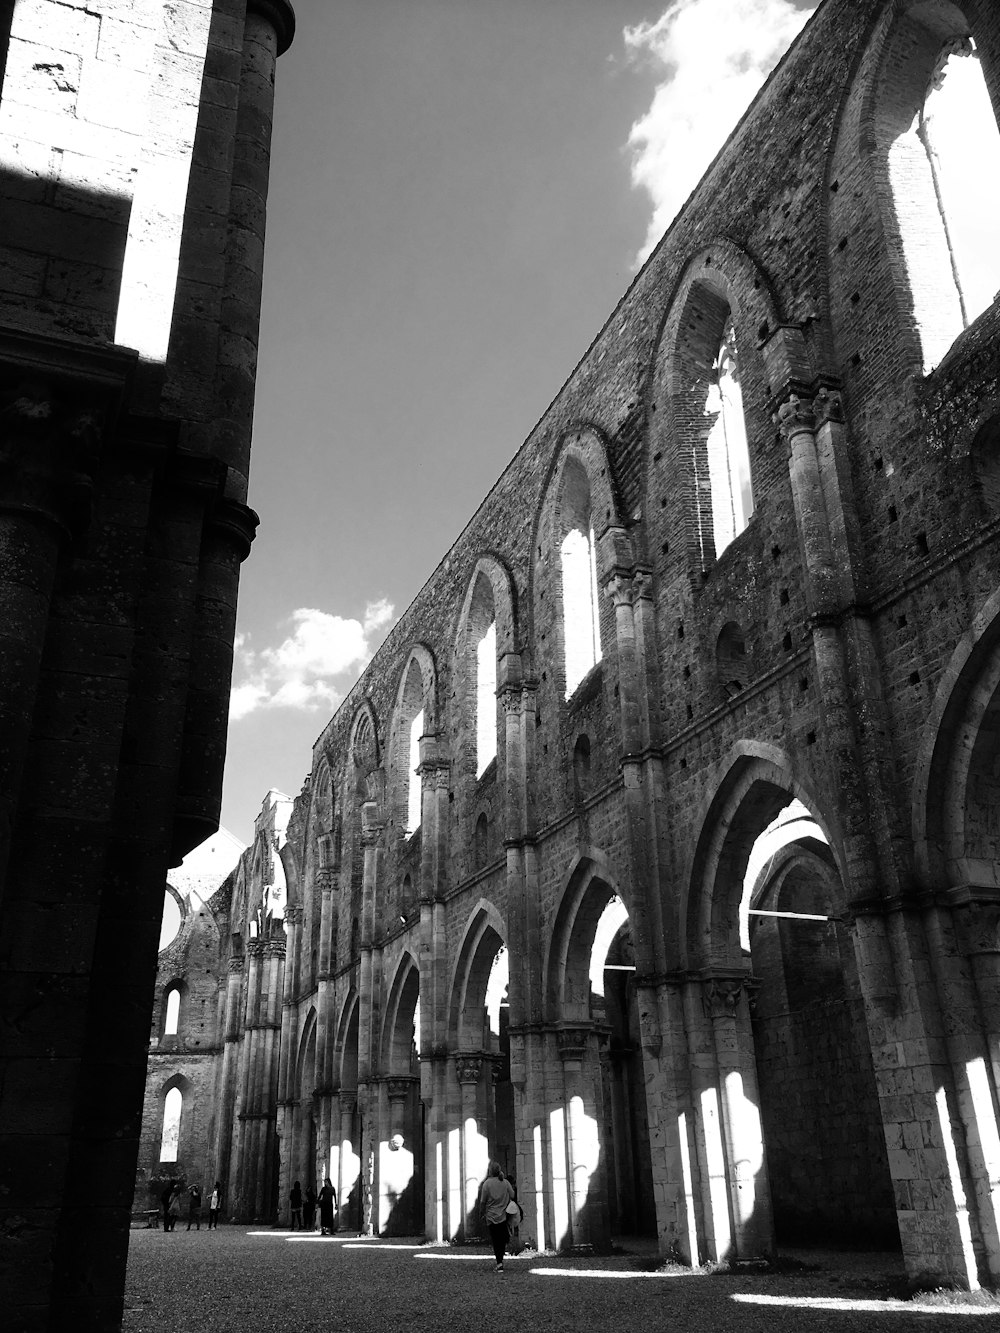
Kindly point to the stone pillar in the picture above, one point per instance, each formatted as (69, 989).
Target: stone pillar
(588, 1209)
(350, 1160)
(326, 1018)
(222, 1151)
(475, 1151)
(739, 1099)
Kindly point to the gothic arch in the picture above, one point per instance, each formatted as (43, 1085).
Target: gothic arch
(346, 1048)
(483, 936)
(954, 768)
(757, 782)
(305, 1057)
(590, 885)
(415, 694)
(722, 297)
(503, 590)
(397, 1026)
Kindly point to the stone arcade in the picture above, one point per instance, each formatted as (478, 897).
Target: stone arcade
(656, 852)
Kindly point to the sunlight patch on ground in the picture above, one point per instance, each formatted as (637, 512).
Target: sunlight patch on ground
(593, 1272)
(868, 1307)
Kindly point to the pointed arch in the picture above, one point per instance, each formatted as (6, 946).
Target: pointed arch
(590, 885)
(756, 783)
(484, 935)
(414, 715)
(346, 1048)
(400, 1011)
(953, 781)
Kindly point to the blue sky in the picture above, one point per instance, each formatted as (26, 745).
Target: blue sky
(460, 192)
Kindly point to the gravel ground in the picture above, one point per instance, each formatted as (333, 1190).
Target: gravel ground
(238, 1280)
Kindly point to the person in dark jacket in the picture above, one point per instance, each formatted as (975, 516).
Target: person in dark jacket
(194, 1207)
(295, 1199)
(327, 1203)
(309, 1208)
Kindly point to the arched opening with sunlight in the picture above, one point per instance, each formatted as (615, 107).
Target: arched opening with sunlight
(578, 564)
(943, 155)
(413, 797)
(726, 448)
(400, 1192)
(171, 1011)
(486, 699)
(173, 1104)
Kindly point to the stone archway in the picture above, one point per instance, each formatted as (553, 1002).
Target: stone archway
(400, 1144)
(348, 1177)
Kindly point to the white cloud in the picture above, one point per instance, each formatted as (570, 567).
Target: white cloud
(710, 58)
(313, 666)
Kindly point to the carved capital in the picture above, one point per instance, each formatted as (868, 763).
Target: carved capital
(497, 1067)
(642, 585)
(399, 1088)
(348, 1101)
(510, 698)
(977, 926)
(255, 948)
(275, 948)
(468, 1068)
(294, 913)
(794, 417)
(828, 406)
(722, 996)
(572, 1043)
(371, 835)
(619, 588)
(236, 964)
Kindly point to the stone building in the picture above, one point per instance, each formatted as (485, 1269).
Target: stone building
(656, 851)
(134, 152)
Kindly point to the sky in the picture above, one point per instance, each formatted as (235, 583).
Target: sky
(461, 191)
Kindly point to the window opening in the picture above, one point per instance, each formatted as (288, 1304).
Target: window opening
(173, 1012)
(957, 129)
(413, 802)
(486, 700)
(172, 1104)
(581, 621)
(727, 449)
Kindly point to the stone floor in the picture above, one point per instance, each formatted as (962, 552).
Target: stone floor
(246, 1280)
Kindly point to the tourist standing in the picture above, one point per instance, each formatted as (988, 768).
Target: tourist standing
(194, 1207)
(494, 1197)
(214, 1205)
(327, 1203)
(174, 1208)
(295, 1199)
(165, 1201)
(310, 1208)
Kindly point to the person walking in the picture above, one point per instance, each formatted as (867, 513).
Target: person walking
(214, 1205)
(174, 1209)
(194, 1207)
(327, 1203)
(494, 1197)
(295, 1199)
(310, 1208)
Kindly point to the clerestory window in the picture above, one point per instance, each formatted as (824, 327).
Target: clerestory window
(173, 1104)
(486, 700)
(726, 447)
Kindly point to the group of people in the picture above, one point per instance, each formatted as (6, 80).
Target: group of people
(173, 1198)
(304, 1208)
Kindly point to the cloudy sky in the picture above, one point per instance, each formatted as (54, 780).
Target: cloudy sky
(461, 190)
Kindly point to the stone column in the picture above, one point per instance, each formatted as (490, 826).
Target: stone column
(226, 1103)
(588, 1215)
(739, 1098)
(350, 1160)
(325, 1017)
(475, 1153)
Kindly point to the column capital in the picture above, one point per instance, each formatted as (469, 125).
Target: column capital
(620, 587)
(572, 1042)
(794, 417)
(255, 948)
(348, 1100)
(275, 948)
(828, 405)
(721, 995)
(371, 835)
(294, 913)
(399, 1087)
(236, 964)
(468, 1067)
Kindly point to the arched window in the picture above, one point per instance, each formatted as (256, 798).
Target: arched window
(480, 846)
(413, 813)
(939, 134)
(486, 699)
(172, 1011)
(578, 557)
(173, 1104)
(726, 446)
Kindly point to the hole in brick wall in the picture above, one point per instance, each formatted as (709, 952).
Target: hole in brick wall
(538, 719)
(914, 677)
(786, 643)
(855, 298)
(545, 749)
(856, 359)
(893, 516)
(544, 675)
(834, 186)
(657, 457)
(607, 513)
(680, 629)
(783, 597)
(684, 763)
(775, 552)
(451, 798)
(901, 623)
(810, 738)
(842, 243)
(690, 712)
(763, 332)
(663, 502)
(985, 458)
(687, 673)
(877, 463)
(922, 546)
(665, 548)
(804, 684)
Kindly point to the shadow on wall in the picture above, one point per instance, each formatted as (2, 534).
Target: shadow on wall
(61, 254)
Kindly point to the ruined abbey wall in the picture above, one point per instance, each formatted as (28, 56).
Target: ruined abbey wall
(792, 713)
